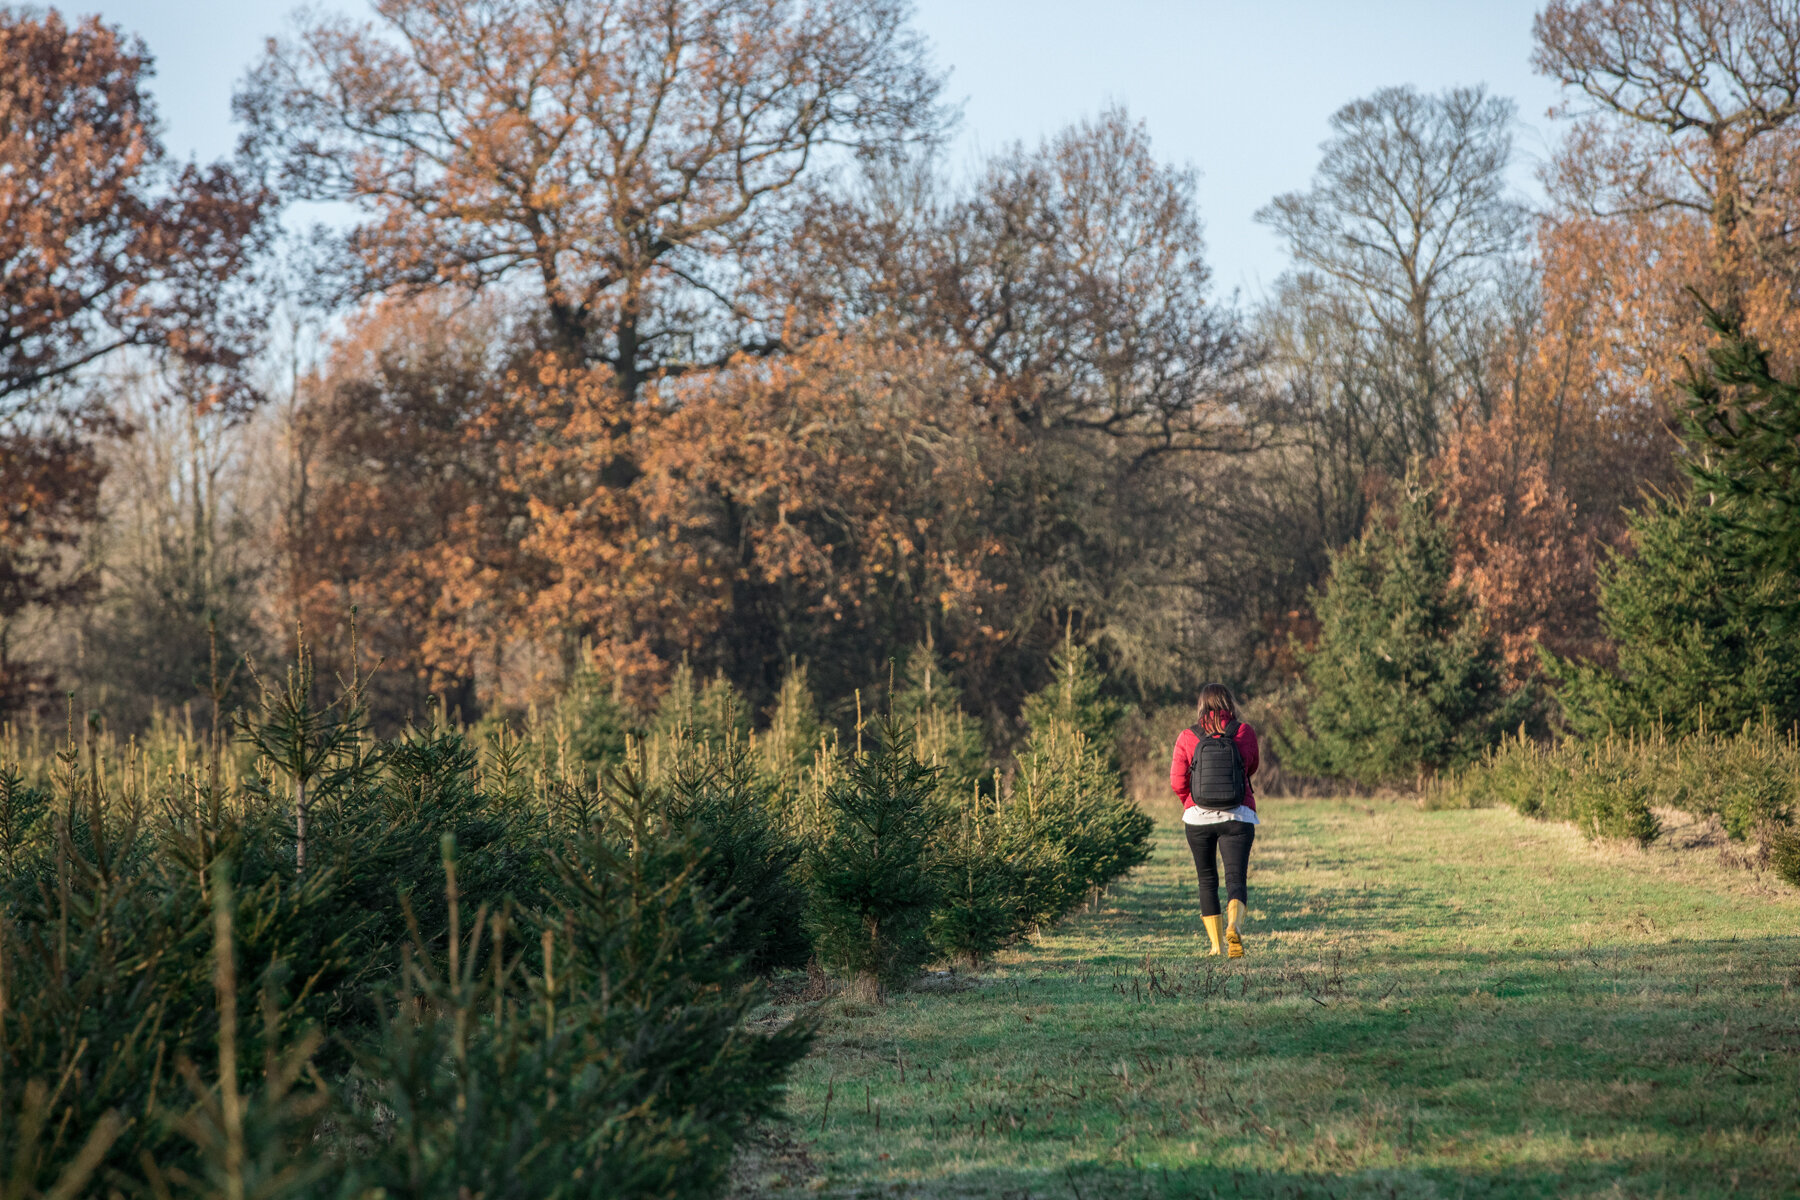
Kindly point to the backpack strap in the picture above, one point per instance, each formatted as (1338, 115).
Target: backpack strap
(1231, 728)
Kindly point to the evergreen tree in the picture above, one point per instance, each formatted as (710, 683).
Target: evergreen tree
(713, 713)
(1743, 432)
(1705, 612)
(1403, 677)
(873, 881)
(1067, 827)
(1701, 634)
(748, 868)
(946, 737)
(980, 907)
(597, 722)
(791, 742)
(605, 1056)
(1076, 698)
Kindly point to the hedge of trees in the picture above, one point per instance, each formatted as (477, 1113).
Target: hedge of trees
(1744, 780)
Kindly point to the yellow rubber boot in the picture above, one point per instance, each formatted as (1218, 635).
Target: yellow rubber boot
(1212, 930)
(1234, 945)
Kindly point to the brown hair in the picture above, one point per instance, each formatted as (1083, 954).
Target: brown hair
(1217, 707)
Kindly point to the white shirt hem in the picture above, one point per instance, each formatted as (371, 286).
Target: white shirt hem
(1214, 816)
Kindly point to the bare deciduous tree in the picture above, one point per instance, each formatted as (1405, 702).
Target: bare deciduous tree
(1075, 276)
(1408, 229)
(1071, 277)
(1694, 109)
(178, 550)
(623, 156)
(105, 246)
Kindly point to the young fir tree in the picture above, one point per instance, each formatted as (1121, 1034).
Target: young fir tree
(1076, 698)
(871, 872)
(1067, 827)
(597, 1048)
(980, 907)
(1403, 677)
(720, 794)
(597, 722)
(791, 742)
(946, 737)
(712, 713)
(1705, 613)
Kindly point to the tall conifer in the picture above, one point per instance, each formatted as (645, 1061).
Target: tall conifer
(1403, 677)
(1705, 611)
(1700, 633)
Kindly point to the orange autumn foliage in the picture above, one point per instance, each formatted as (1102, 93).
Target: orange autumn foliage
(406, 514)
(1582, 432)
(1692, 111)
(488, 519)
(1677, 185)
(1599, 377)
(1595, 381)
(827, 503)
(1589, 423)
(1518, 546)
(105, 244)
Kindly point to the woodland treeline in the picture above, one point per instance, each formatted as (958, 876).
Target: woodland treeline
(664, 332)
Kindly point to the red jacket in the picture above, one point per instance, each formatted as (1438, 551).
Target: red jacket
(1182, 764)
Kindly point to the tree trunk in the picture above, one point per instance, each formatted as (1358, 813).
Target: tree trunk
(865, 986)
(1728, 205)
(299, 827)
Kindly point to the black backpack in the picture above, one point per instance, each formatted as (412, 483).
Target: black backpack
(1216, 778)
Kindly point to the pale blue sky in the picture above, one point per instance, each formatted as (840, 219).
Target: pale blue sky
(1241, 89)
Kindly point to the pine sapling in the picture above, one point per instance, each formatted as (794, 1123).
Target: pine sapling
(303, 738)
(871, 870)
(981, 906)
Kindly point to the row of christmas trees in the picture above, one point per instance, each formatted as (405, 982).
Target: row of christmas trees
(296, 959)
(911, 843)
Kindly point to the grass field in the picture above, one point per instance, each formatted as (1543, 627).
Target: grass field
(1433, 1004)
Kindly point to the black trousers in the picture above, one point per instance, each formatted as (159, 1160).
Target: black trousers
(1231, 840)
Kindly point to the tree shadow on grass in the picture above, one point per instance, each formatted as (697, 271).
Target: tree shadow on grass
(1625, 1064)
(1649, 1176)
(1515, 1054)
(1690, 980)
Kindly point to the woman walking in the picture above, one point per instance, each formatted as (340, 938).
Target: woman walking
(1210, 772)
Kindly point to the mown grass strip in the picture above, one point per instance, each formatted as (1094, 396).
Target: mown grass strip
(1435, 1003)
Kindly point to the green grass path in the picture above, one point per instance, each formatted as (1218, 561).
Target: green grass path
(1434, 1004)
